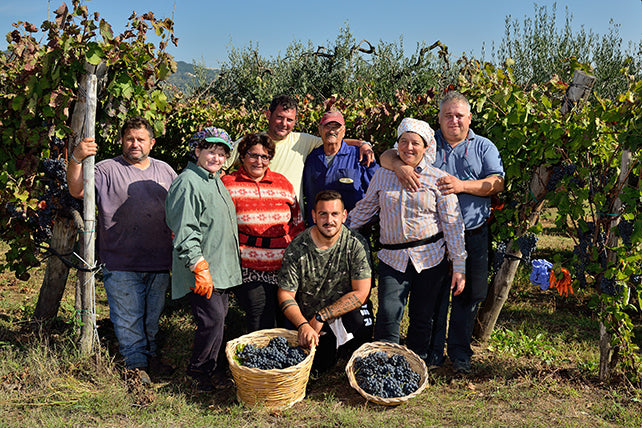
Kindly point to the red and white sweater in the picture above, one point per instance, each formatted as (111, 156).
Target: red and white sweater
(264, 209)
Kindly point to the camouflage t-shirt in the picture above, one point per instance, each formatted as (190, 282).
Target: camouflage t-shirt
(321, 277)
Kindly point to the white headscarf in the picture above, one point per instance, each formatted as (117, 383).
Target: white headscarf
(422, 129)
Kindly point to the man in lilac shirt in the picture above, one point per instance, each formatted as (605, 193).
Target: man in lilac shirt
(134, 243)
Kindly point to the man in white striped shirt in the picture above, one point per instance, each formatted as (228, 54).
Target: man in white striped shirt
(416, 229)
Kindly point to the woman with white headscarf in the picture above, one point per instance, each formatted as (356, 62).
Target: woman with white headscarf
(416, 230)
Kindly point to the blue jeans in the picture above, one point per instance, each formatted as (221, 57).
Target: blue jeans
(464, 306)
(136, 300)
(428, 289)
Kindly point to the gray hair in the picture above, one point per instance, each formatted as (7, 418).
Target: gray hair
(453, 96)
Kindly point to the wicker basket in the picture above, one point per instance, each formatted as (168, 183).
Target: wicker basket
(416, 364)
(276, 388)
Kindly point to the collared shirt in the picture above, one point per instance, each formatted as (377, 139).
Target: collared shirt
(266, 208)
(345, 175)
(411, 216)
(475, 158)
(200, 212)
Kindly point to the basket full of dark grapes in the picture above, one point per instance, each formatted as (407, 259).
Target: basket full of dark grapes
(386, 373)
(269, 368)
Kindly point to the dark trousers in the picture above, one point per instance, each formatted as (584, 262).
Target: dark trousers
(359, 322)
(427, 289)
(209, 315)
(258, 300)
(464, 307)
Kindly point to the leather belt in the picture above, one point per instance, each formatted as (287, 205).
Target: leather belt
(475, 231)
(263, 242)
(434, 238)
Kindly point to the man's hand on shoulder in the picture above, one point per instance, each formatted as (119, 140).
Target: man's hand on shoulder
(408, 177)
(450, 184)
(366, 154)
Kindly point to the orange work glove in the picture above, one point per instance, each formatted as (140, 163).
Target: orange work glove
(203, 280)
(563, 284)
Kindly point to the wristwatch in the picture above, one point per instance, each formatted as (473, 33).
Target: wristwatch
(317, 317)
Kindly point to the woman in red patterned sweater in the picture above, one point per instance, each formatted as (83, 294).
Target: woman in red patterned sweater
(268, 217)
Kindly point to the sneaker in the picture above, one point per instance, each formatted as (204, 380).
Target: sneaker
(221, 381)
(142, 375)
(159, 368)
(434, 362)
(461, 366)
(203, 380)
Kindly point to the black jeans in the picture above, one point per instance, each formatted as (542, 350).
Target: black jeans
(209, 315)
(426, 290)
(463, 307)
(359, 322)
(258, 300)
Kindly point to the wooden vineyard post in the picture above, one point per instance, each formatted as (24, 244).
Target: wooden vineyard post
(606, 350)
(86, 281)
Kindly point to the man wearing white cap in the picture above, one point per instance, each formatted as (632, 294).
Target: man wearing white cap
(416, 229)
(335, 166)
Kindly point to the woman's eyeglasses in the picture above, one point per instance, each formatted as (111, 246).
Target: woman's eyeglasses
(255, 156)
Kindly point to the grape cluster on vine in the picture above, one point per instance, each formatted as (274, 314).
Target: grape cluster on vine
(559, 172)
(385, 377)
(587, 243)
(610, 286)
(527, 244)
(55, 199)
(498, 255)
(278, 354)
(625, 229)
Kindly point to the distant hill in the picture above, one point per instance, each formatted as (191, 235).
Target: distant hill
(185, 76)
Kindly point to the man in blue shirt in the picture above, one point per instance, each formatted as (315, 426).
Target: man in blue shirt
(335, 166)
(475, 174)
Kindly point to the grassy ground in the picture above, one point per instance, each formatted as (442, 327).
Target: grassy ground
(539, 369)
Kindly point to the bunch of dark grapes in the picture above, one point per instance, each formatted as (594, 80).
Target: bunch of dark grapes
(625, 228)
(54, 200)
(278, 354)
(498, 256)
(635, 279)
(583, 257)
(610, 286)
(55, 169)
(559, 172)
(583, 250)
(527, 244)
(384, 376)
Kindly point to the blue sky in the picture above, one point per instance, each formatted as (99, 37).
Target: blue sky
(206, 29)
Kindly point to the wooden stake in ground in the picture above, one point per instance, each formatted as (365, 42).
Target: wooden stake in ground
(86, 279)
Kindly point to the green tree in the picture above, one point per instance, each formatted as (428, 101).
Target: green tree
(542, 48)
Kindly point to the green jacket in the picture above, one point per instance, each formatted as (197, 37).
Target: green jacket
(200, 212)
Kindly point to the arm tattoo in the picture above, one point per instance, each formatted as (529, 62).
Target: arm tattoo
(286, 304)
(342, 306)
